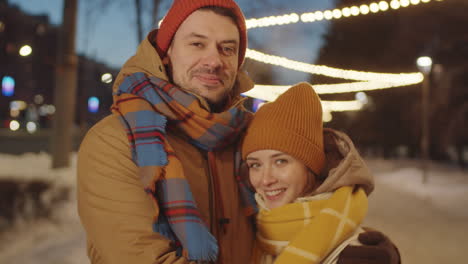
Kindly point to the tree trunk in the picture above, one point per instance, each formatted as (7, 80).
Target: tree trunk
(138, 20)
(65, 88)
(155, 19)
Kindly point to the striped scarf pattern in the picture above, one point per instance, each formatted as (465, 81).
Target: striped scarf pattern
(307, 230)
(147, 105)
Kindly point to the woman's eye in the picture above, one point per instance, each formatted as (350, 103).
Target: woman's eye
(281, 161)
(253, 165)
(196, 44)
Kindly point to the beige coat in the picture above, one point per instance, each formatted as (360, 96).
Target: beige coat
(118, 215)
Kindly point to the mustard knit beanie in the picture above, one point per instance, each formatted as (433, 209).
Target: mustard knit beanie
(181, 9)
(291, 124)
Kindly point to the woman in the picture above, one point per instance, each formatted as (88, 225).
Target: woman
(311, 184)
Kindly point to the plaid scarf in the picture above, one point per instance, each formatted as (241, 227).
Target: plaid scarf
(307, 230)
(146, 105)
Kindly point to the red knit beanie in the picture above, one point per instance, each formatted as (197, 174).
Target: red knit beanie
(181, 9)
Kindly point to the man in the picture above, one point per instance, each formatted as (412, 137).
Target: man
(156, 179)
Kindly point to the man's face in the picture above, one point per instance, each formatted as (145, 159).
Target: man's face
(204, 55)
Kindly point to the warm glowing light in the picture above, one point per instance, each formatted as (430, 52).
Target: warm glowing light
(14, 125)
(51, 109)
(346, 12)
(31, 127)
(337, 13)
(364, 9)
(26, 50)
(270, 93)
(424, 64)
(404, 3)
(362, 86)
(362, 97)
(38, 99)
(2, 26)
(383, 6)
(43, 111)
(355, 10)
(272, 20)
(327, 116)
(106, 78)
(395, 4)
(424, 61)
(374, 7)
(14, 113)
(328, 14)
(318, 15)
(18, 105)
(308, 17)
(334, 72)
(341, 106)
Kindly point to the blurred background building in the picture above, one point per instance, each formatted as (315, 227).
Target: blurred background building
(28, 56)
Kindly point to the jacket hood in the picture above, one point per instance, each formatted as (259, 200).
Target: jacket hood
(344, 166)
(147, 60)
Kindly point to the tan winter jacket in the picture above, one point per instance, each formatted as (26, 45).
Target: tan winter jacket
(118, 215)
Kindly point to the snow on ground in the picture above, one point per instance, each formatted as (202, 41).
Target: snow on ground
(428, 222)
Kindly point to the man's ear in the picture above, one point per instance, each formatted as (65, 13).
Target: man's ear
(166, 59)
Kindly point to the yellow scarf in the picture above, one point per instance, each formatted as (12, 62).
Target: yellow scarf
(307, 230)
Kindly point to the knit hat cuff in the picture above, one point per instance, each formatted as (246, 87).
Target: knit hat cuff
(288, 142)
(181, 9)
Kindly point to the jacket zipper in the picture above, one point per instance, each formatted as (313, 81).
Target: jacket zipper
(211, 196)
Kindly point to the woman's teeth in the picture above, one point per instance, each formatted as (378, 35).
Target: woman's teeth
(275, 192)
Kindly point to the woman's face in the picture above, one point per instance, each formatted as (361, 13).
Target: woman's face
(278, 177)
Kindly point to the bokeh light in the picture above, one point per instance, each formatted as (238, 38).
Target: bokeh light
(106, 78)
(26, 50)
(31, 127)
(8, 86)
(93, 104)
(14, 125)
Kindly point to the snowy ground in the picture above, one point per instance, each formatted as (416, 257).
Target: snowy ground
(428, 222)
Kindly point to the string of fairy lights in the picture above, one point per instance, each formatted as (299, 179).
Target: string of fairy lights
(270, 93)
(351, 11)
(402, 78)
(365, 81)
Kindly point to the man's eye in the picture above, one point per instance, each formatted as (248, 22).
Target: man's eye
(229, 50)
(196, 44)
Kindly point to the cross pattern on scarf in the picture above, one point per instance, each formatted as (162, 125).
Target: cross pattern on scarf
(307, 231)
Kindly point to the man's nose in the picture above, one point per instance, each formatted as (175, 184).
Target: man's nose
(213, 58)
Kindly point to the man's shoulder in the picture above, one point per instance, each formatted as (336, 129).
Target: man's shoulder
(107, 132)
(109, 122)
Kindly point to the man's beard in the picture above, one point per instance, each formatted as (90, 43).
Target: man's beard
(215, 107)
